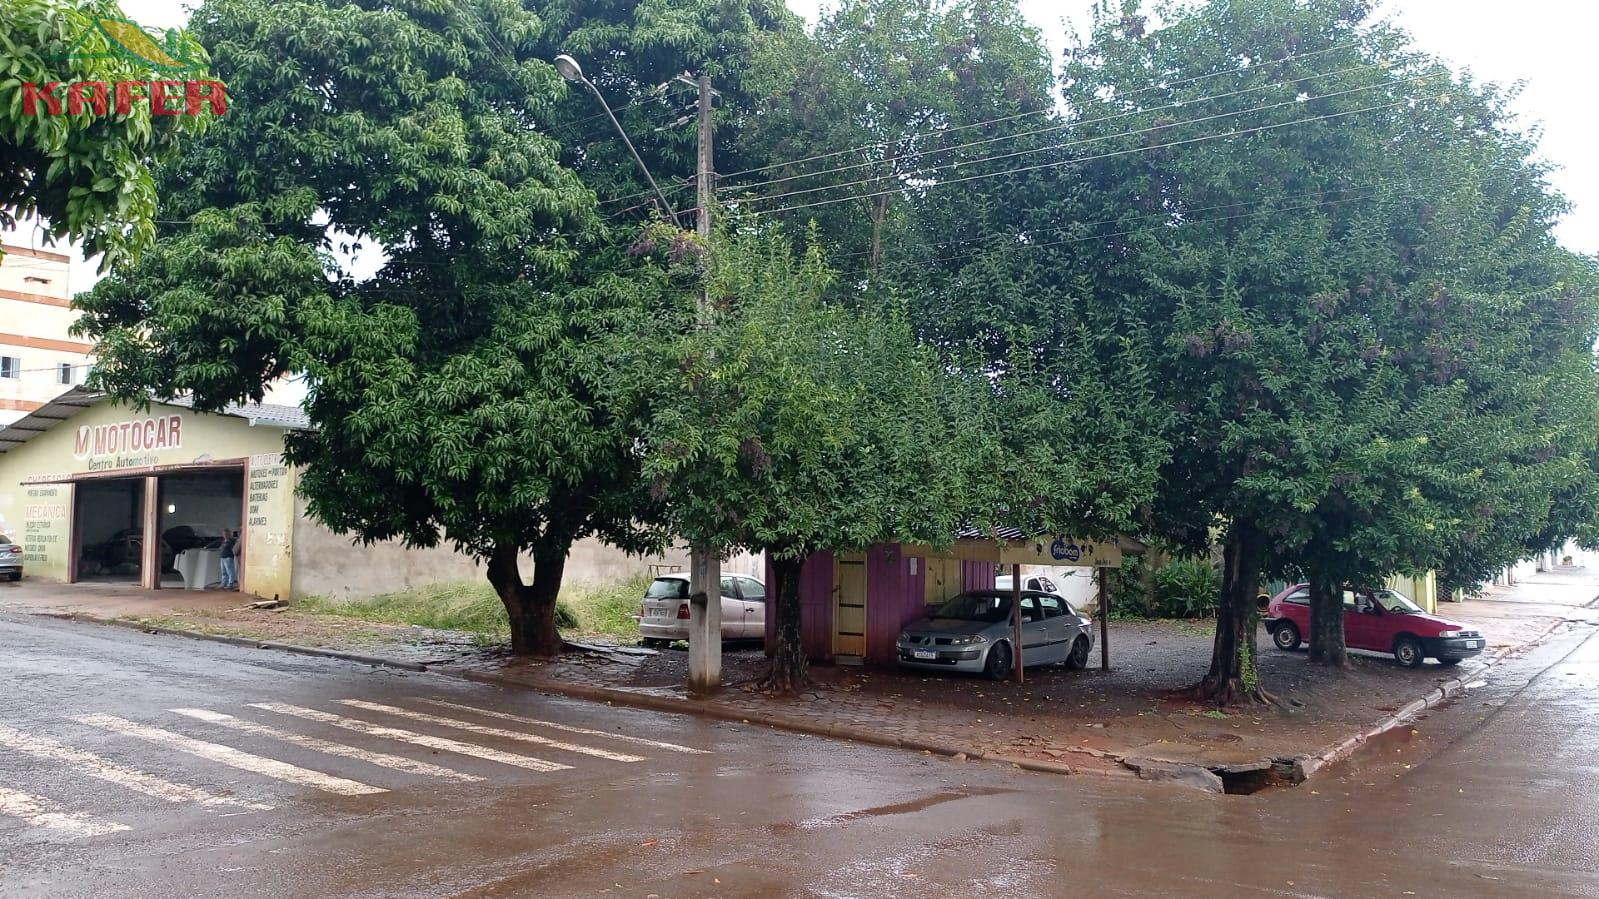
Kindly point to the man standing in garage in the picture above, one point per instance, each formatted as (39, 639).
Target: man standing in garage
(230, 561)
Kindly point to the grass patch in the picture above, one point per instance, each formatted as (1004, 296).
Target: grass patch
(469, 607)
(473, 607)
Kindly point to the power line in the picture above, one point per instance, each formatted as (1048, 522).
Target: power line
(1044, 165)
(1374, 194)
(1072, 143)
(1167, 85)
(1072, 125)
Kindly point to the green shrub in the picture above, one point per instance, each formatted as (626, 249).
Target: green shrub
(1185, 588)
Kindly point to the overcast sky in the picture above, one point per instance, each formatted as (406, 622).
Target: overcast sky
(1545, 43)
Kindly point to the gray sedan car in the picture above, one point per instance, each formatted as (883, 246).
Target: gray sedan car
(973, 633)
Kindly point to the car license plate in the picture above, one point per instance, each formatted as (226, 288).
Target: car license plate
(925, 654)
(1473, 644)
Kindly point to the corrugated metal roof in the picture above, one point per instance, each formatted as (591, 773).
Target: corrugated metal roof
(77, 399)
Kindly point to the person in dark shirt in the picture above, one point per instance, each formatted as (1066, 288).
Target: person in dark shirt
(230, 560)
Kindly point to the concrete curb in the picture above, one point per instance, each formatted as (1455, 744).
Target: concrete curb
(376, 661)
(1305, 766)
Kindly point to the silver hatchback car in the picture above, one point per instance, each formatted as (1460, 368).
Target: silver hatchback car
(663, 616)
(973, 633)
(10, 559)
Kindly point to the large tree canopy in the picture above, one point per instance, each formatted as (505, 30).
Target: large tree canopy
(456, 392)
(86, 176)
(1357, 312)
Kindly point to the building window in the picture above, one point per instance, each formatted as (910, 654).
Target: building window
(64, 372)
(10, 367)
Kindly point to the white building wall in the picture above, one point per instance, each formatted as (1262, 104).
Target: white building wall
(35, 330)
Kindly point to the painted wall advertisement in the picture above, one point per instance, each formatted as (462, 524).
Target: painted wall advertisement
(268, 526)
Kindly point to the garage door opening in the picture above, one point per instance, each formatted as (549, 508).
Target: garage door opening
(108, 534)
(194, 509)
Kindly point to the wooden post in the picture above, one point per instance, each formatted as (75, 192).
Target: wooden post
(150, 548)
(1104, 619)
(1016, 615)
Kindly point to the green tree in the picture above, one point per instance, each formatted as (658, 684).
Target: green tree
(1342, 254)
(457, 393)
(88, 176)
(791, 426)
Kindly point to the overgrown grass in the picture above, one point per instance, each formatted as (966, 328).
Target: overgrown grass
(474, 608)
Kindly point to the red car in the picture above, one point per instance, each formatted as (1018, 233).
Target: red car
(1379, 620)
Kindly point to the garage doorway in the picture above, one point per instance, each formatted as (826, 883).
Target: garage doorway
(194, 509)
(108, 530)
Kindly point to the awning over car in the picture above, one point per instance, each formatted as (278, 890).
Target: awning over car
(1004, 547)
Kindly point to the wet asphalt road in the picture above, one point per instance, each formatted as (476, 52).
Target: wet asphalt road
(272, 783)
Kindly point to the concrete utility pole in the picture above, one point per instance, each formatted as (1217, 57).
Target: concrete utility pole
(705, 566)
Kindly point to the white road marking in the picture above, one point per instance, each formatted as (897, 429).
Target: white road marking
(37, 812)
(505, 716)
(111, 772)
(491, 731)
(406, 736)
(398, 763)
(231, 757)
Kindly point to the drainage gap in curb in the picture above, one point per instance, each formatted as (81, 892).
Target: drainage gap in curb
(1243, 783)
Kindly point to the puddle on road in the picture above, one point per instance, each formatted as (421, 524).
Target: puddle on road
(901, 808)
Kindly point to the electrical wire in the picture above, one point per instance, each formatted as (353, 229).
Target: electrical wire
(917, 173)
(1064, 162)
(1166, 85)
(1070, 125)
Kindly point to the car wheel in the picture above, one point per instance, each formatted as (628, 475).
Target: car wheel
(1286, 636)
(1078, 658)
(1408, 651)
(998, 665)
(1449, 663)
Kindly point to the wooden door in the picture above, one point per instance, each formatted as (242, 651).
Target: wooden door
(849, 604)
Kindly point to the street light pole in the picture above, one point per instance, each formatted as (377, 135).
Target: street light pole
(705, 565)
(571, 71)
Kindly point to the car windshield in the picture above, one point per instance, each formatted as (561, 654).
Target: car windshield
(1396, 603)
(667, 588)
(975, 607)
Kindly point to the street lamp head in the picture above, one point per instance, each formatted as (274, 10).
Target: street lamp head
(569, 69)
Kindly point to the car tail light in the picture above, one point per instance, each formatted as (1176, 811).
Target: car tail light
(682, 611)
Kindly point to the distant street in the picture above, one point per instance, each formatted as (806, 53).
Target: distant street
(134, 765)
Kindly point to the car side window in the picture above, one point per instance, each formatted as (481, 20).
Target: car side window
(1029, 609)
(730, 587)
(1047, 585)
(1301, 596)
(753, 590)
(1053, 607)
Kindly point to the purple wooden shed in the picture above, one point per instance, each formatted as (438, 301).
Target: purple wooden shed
(853, 605)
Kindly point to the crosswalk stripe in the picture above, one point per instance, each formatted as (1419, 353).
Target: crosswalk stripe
(37, 812)
(231, 757)
(111, 772)
(492, 731)
(406, 736)
(506, 716)
(398, 763)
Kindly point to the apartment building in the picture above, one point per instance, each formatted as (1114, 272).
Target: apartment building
(39, 358)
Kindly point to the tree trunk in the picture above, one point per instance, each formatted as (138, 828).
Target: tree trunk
(530, 607)
(788, 671)
(1231, 679)
(1327, 645)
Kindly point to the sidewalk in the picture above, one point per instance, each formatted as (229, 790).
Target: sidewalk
(1120, 721)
